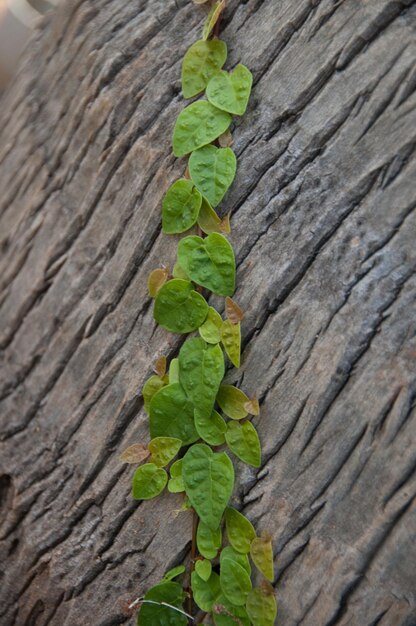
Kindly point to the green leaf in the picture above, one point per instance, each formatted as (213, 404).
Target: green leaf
(211, 428)
(230, 92)
(226, 614)
(240, 531)
(210, 329)
(174, 572)
(164, 449)
(178, 272)
(232, 401)
(174, 371)
(208, 541)
(235, 582)
(242, 559)
(179, 308)
(243, 440)
(208, 221)
(149, 481)
(197, 125)
(175, 484)
(261, 607)
(172, 415)
(231, 340)
(201, 61)
(209, 262)
(151, 386)
(209, 482)
(203, 569)
(158, 614)
(261, 552)
(205, 592)
(213, 170)
(180, 207)
(212, 18)
(201, 372)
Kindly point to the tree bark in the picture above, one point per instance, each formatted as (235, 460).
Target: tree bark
(323, 225)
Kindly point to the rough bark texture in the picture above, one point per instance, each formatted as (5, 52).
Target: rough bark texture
(324, 224)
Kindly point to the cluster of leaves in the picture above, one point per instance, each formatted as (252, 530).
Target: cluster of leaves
(190, 409)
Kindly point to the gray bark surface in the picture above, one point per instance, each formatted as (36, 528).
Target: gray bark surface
(323, 225)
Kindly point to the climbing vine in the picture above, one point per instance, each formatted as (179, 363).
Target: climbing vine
(191, 412)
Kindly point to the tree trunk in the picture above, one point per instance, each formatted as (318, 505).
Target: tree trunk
(323, 225)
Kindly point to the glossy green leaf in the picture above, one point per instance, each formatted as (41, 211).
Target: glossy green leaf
(172, 415)
(226, 614)
(240, 531)
(210, 330)
(203, 569)
(231, 340)
(208, 220)
(235, 582)
(205, 592)
(174, 371)
(211, 428)
(174, 572)
(261, 607)
(213, 170)
(242, 559)
(153, 613)
(151, 386)
(197, 125)
(202, 60)
(261, 552)
(208, 541)
(209, 262)
(209, 482)
(149, 481)
(164, 449)
(180, 207)
(175, 484)
(212, 18)
(231, 91)
(243, 440)
(179, 308)
(232, 401)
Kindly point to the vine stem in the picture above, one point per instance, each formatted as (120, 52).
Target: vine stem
(193, 557)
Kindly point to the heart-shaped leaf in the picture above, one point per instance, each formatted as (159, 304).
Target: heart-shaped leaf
(226, 614)
(179, 308)
(209, 481)
(231, 340)
(240, 531)
(149, 481)
(209, 262)
(164, 449)
(172, 415)
(197, 125)
(211, 428)
(209, 222)
(233, 311)
(175, 484)
(208, 541)
(213, 170)
(235, 582)
(232, 401)
(230, 92)
(180, 206)
(243, 440)
(203, 568)
(150, 387)
(205, 592)
(261, 607)
(156, 279)
(210, 330)
(202, 60)
(136, 453)
(242, 559)
(212, 18)
(261, 551)
(154, 613)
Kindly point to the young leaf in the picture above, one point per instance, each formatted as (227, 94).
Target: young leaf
(210, 330)
(226, 614)
(209, 262)
(174, 572)
(156, 280)
(261, 552)
(151, 386)
(261, 607)
(160, 366)
(208, 541)
(243, 440)
(209, 482)
(242, 559)
(205, 592)
(233, 312)
(175, 484)
(164, 449)
(212, 18)
(172, 415)
(210, 428)
(240, 531)
(179, 308)
(180, 207)
(226, 139)
(230, 92)
(235, 582)
(232, 401)
(136, 453)
(174, 371)
(197, 125)
(202, 60)
(231, 340)
(154, 613)
(178, 272)
(208, 220)
(149, 481)
(203, 569)
(213, 170)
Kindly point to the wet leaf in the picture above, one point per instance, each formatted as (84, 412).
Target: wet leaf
(242, 559)
(174, 572)
(235, 582)
(209, 262)
(160, 366)
(232, 401)
(179, 308)
(178, 272)
(172, 415)
(149, 481)
(226, 139)
(225, 614)
(210, 330)
(210, 428)
(231, 340)
(164, 449)
(197, 125)
(203, 569)
(136, 453)
(180, 207)
(175, 484)
(159, 615)
(156, 280)
(208, 541)
(205, 592)
(233, 311)
(213, 170)
(261, 607)
(201, 61)
(201, 372)
(240, 531)
(208, 220)
(151, 386)
(231, 91)
(174, 371)
(261, 552)
(243, 440)
(209, 481)
(212, 18)
(252, 406)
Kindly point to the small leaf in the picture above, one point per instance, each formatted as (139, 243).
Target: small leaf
(235, 582)
(160, 366)
(226, 139)
(203, 569)
(225, 225)
(179, 308)
(252, 406)
(178, 272)
(231, 401)
(154, 613)
(231, 340)
(136, 453)
(226, 614)
(208, 541)
(148, 481)
(151, 386)
(208, 220)
(180, 207)
(233, 311)
(213, 170)
(164, 449)
(199, 1)
(156, 280)
(201, 61)
(210, 428)
(205, 592)
(197, 125)
(209, 262)
(175, 484)
(242, 559)
(240, 531)
(174, 572)
(210, 330)
(261, 607)
(212, 18)
(174, 371)
(230, 92)
(261, 551)
(243, 440)
(209, 481)
(172, 415)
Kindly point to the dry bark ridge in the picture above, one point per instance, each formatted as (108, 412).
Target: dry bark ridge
(324, 231)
